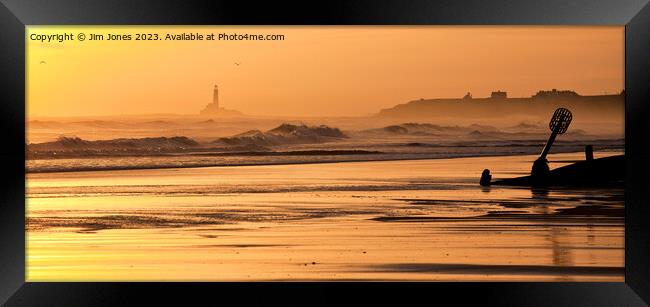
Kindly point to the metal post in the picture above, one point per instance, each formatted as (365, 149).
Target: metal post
(558, 125)
(589, 152)
(548, 145)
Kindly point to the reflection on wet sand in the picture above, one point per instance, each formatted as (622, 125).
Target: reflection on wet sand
(398, 220)
(561, 252)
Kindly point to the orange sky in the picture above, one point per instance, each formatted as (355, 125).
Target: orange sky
(315, 71)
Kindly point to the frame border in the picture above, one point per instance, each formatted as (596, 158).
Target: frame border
(634, 14)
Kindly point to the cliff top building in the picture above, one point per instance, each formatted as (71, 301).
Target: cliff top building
(554, 93)
(499, 95)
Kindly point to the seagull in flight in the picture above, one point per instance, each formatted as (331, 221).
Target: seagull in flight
(237, 63)
(43, 62)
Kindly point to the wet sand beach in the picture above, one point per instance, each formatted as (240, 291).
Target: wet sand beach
(380, 220)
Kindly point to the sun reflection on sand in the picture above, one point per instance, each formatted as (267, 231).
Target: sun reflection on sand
(398, 220)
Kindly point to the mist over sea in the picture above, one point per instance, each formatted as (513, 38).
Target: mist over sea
(110, 144)
(315, 199)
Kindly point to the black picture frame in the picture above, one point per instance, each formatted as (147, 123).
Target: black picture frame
(634, 14)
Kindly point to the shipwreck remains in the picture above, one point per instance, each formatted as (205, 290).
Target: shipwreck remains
(608, 171)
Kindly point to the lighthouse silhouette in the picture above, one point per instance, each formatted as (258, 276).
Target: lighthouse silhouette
(215, 97)
(214, 108)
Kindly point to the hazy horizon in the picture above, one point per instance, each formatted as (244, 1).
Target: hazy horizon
(315, 71)
(126, 181)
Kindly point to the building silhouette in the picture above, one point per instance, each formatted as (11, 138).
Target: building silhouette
(554, 93)
(499, 95)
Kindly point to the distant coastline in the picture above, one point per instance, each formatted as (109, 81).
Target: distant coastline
(499, 105)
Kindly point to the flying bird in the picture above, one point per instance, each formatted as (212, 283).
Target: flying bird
(43, 62)
(237, 63)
